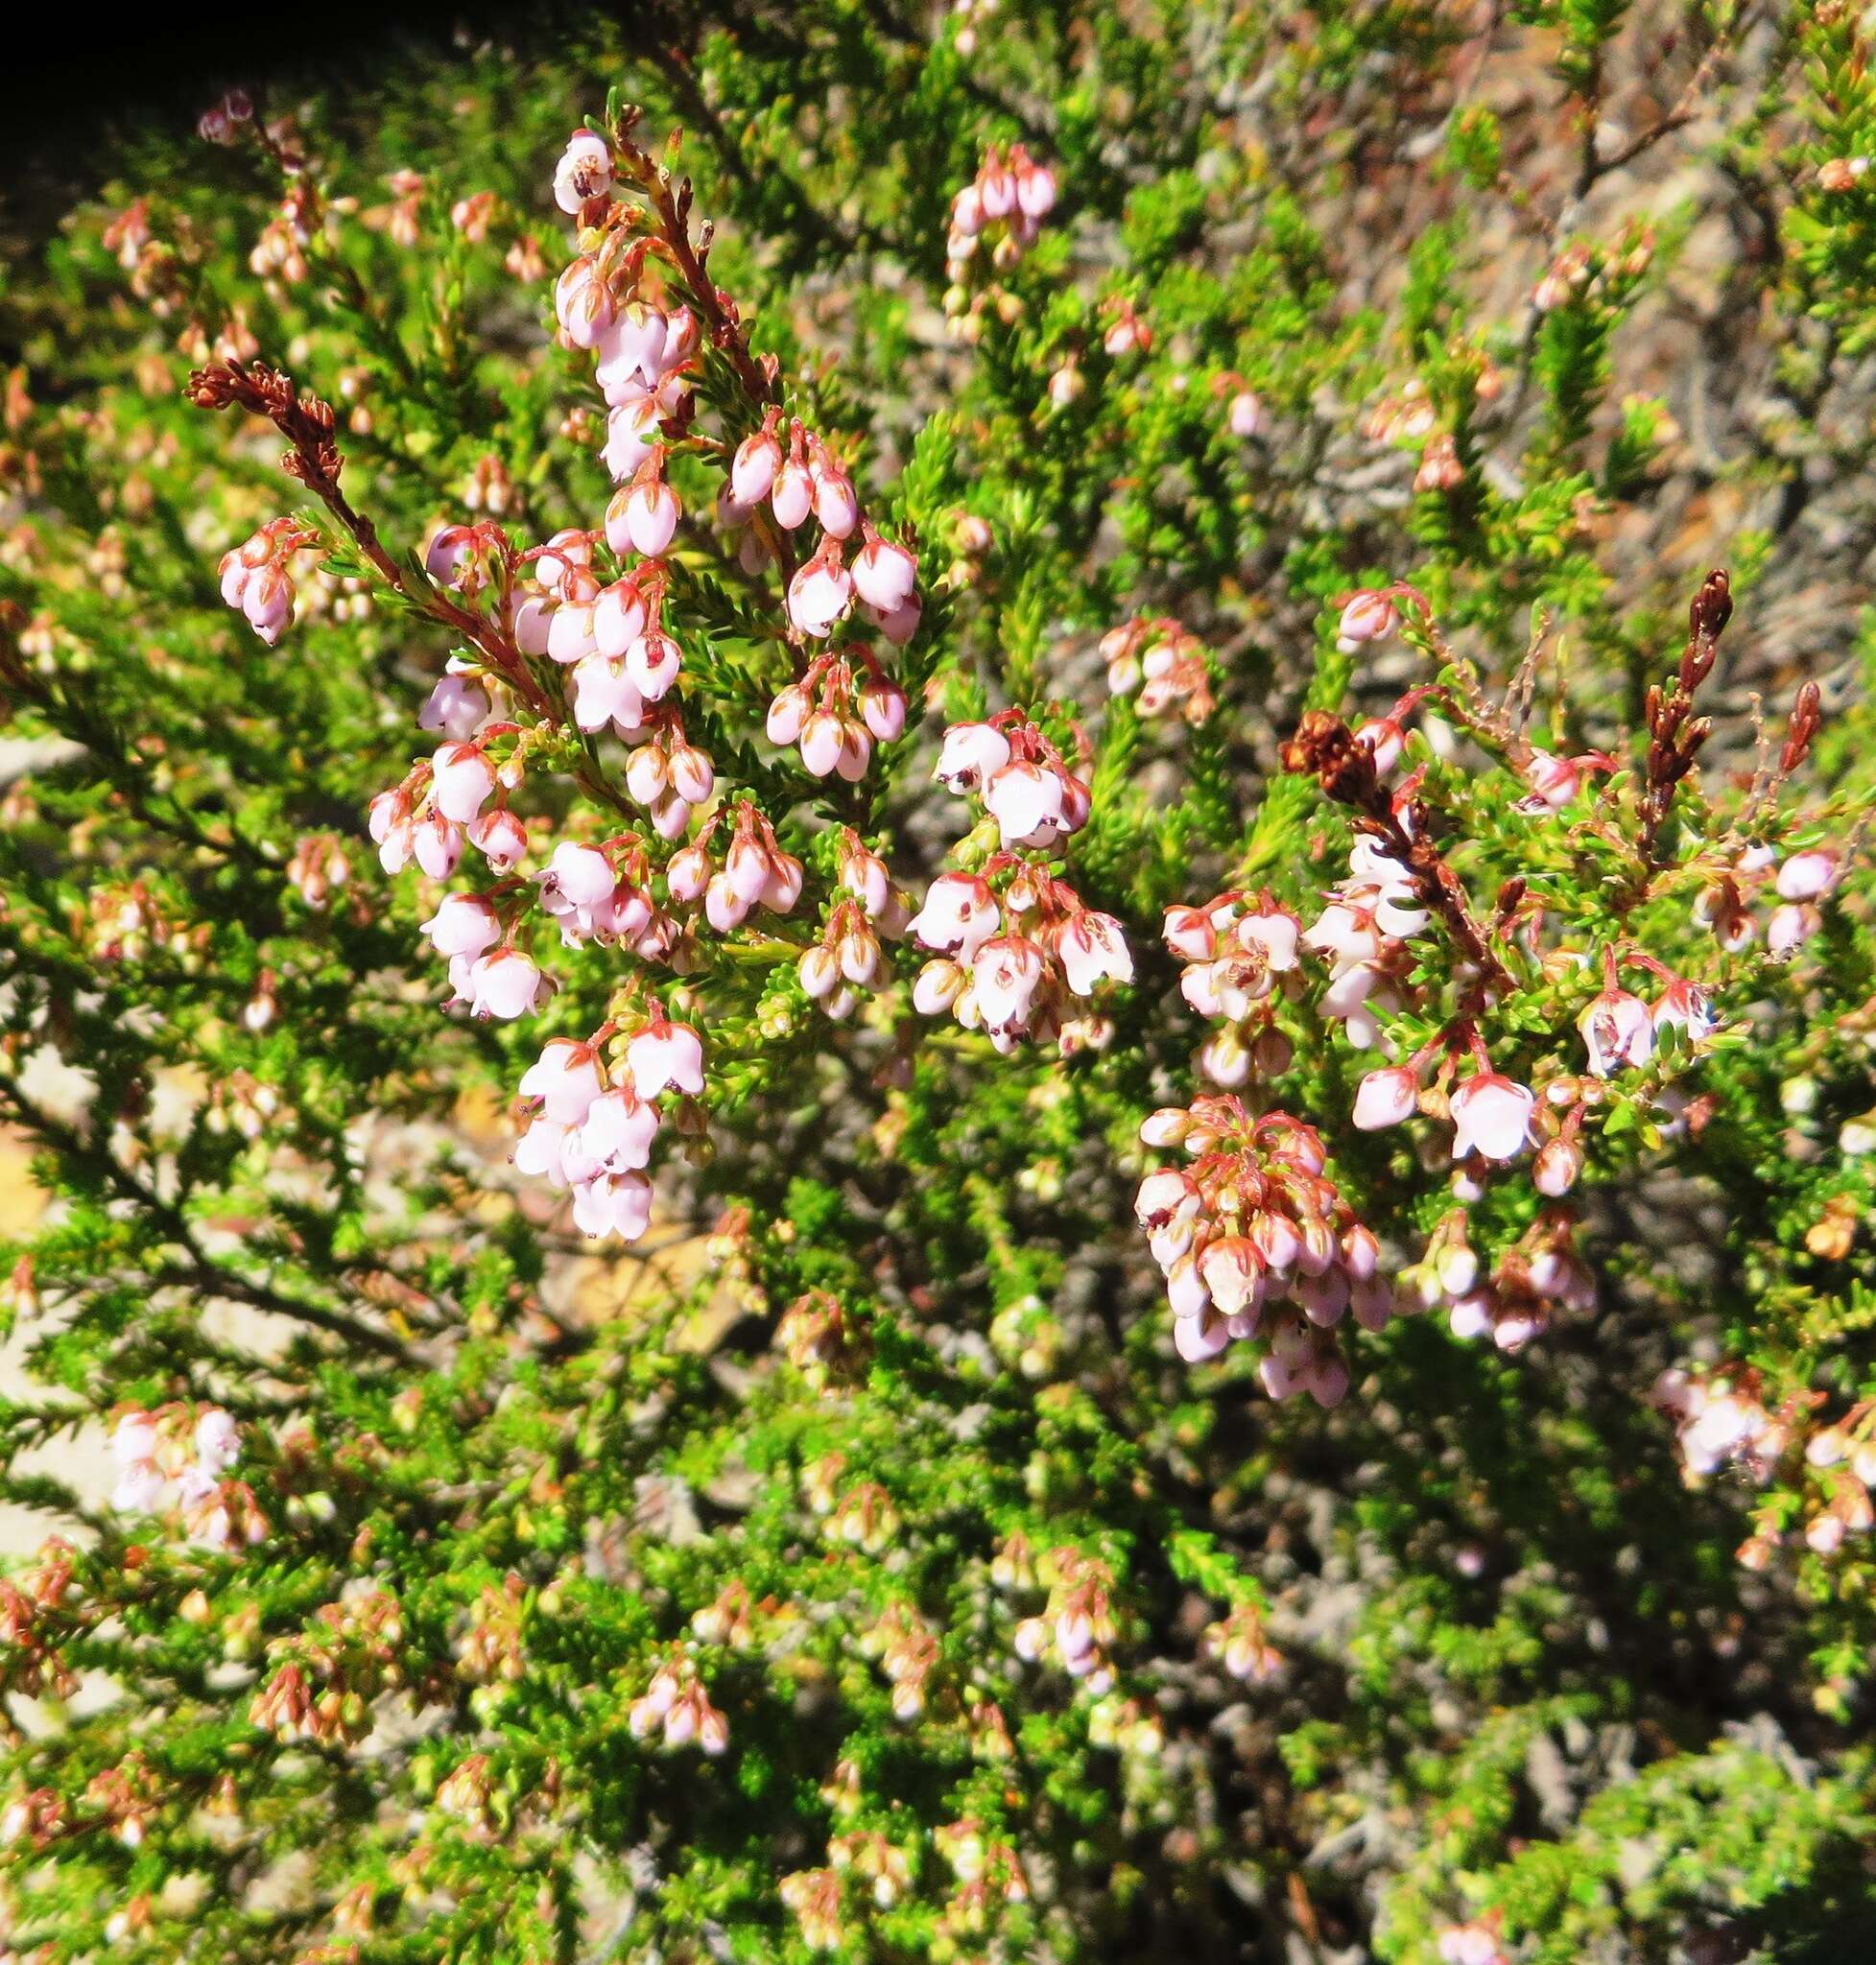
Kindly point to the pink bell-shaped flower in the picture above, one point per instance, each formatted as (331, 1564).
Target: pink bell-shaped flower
(1385, 1097)
(506, 984)
(666, 1057)
(462, 781)
(821, 592)
(566, 1078)
(1492, 1115)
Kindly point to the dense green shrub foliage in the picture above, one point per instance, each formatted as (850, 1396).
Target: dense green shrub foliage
(1316, 429)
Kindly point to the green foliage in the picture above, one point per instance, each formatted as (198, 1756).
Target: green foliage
(889, 1386)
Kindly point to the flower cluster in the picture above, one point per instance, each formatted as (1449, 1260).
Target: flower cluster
(677, 1708)
(727, 1620)
(841, 705)
(1164, 666)
(995, 219)
(124, 922)
(1239, 1644)
(257, 576)
(908, 1652)
(34, 1620)
(1129, 1727)
(1013, 947)
(1720, 1422)
(624, 670)
(1441, 468)
(989, 1872)
(848, 959)
(1406, 415)
(801, 482)
(1800, 884)
(1518, 1297)
(222, 120)
(401, 221)
(1363, 933)
(327, 1677)
(865, 1856)
(1620, 1031)
(1256, 1243)
(1013, 943)
(863, 1517)
(814, 1896)
(1411, 417)
(1490, 1113)
(643, 358)
(755, 871)
(595, 1124)
(882, 1865)
(127, 1798)
(447, 800)
(612, 633)
(1497, 1118)
(490, 1650)
(279, 253)
(1596, 274)
(35, 1817)
(193, 1448)
(1019, 776)
(1237, 949)
(319, 869)
(1076, 1628)
(823, 1341)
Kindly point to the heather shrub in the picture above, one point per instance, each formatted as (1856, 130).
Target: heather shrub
(939, 949)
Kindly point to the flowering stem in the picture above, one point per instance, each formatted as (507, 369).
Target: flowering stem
(316, 462)
(1324, 748)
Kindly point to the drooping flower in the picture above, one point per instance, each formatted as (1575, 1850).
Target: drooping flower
(821, 592)
(505, 984)
(1554, 781)
(666, 1057)
(1367, 616)
(457, 707)
(567, 1078)
(651, 516)
(1386, 1097)
(884, 572)
(970, 753)
(1806, 875)
(1616, 1031)
(1091, 948)
(1682, 1004)
(752, 469)
(1027, 799)
(1492, 1115)
(618, 1130)
(462, 781)
(462, 925)
(1006, 973)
